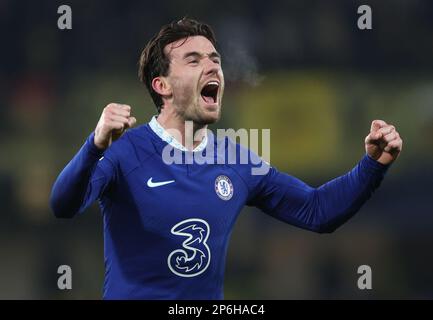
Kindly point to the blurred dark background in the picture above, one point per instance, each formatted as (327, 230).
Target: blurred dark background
(301, 68)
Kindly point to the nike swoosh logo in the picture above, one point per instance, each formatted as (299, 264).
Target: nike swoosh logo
(152, 184)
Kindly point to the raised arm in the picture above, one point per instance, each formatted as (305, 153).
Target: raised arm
(325, 208)
(91, 171)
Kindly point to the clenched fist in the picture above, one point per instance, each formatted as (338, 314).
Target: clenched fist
(383, 143)
(115, 119)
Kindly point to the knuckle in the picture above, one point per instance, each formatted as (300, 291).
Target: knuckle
(108, 109)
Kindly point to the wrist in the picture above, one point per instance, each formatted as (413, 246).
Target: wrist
(93, 146)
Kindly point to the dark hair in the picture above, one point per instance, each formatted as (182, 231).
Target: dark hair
(153, 62)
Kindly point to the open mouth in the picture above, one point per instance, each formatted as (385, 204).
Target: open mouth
(209, 93)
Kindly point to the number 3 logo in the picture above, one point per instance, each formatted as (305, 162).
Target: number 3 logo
(194, 257)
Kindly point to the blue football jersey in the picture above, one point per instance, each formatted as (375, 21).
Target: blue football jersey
(167, 226)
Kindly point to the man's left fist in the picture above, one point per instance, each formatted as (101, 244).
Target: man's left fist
(383, 143)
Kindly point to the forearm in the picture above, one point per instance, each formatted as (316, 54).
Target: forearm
(338, 200)
(325, 208)
(77, 186)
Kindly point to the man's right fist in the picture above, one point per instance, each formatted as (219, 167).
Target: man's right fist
(115, 119)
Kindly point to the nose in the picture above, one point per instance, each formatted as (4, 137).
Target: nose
(210, 67)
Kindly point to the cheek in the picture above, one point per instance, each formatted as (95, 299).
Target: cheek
(184, 90)
(184, 86)
(221, 75)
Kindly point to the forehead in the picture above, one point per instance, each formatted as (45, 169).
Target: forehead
(195, 43)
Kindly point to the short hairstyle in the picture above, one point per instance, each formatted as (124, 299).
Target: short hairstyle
(153, 61)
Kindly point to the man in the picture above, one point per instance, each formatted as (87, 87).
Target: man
(166, 227)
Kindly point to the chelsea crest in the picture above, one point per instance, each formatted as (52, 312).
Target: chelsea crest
(224, 187)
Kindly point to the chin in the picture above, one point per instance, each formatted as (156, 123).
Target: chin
(210, 117)
(207, 115)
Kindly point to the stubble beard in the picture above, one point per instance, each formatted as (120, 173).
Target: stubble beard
(191, 110)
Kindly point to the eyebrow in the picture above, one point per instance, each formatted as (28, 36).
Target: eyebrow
(213, 54)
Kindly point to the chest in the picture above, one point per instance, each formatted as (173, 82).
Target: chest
(166, 195)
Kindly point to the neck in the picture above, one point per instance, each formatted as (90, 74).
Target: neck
(184, 131)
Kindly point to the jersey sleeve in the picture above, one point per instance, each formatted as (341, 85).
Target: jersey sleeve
(84, 179)
(321, 209)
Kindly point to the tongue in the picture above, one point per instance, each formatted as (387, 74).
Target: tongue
(207, 99)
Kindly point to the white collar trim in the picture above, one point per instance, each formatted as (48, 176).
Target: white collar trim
(171, 140)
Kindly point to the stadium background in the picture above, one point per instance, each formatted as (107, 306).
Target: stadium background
(301, 68)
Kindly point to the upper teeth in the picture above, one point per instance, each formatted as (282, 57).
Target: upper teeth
(212, 83)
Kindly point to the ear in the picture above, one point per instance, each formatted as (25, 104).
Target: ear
(161, 86)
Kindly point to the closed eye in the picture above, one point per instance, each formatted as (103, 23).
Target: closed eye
(194, 57)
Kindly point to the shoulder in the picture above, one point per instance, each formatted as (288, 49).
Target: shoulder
(245, 162)
(130, 149)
